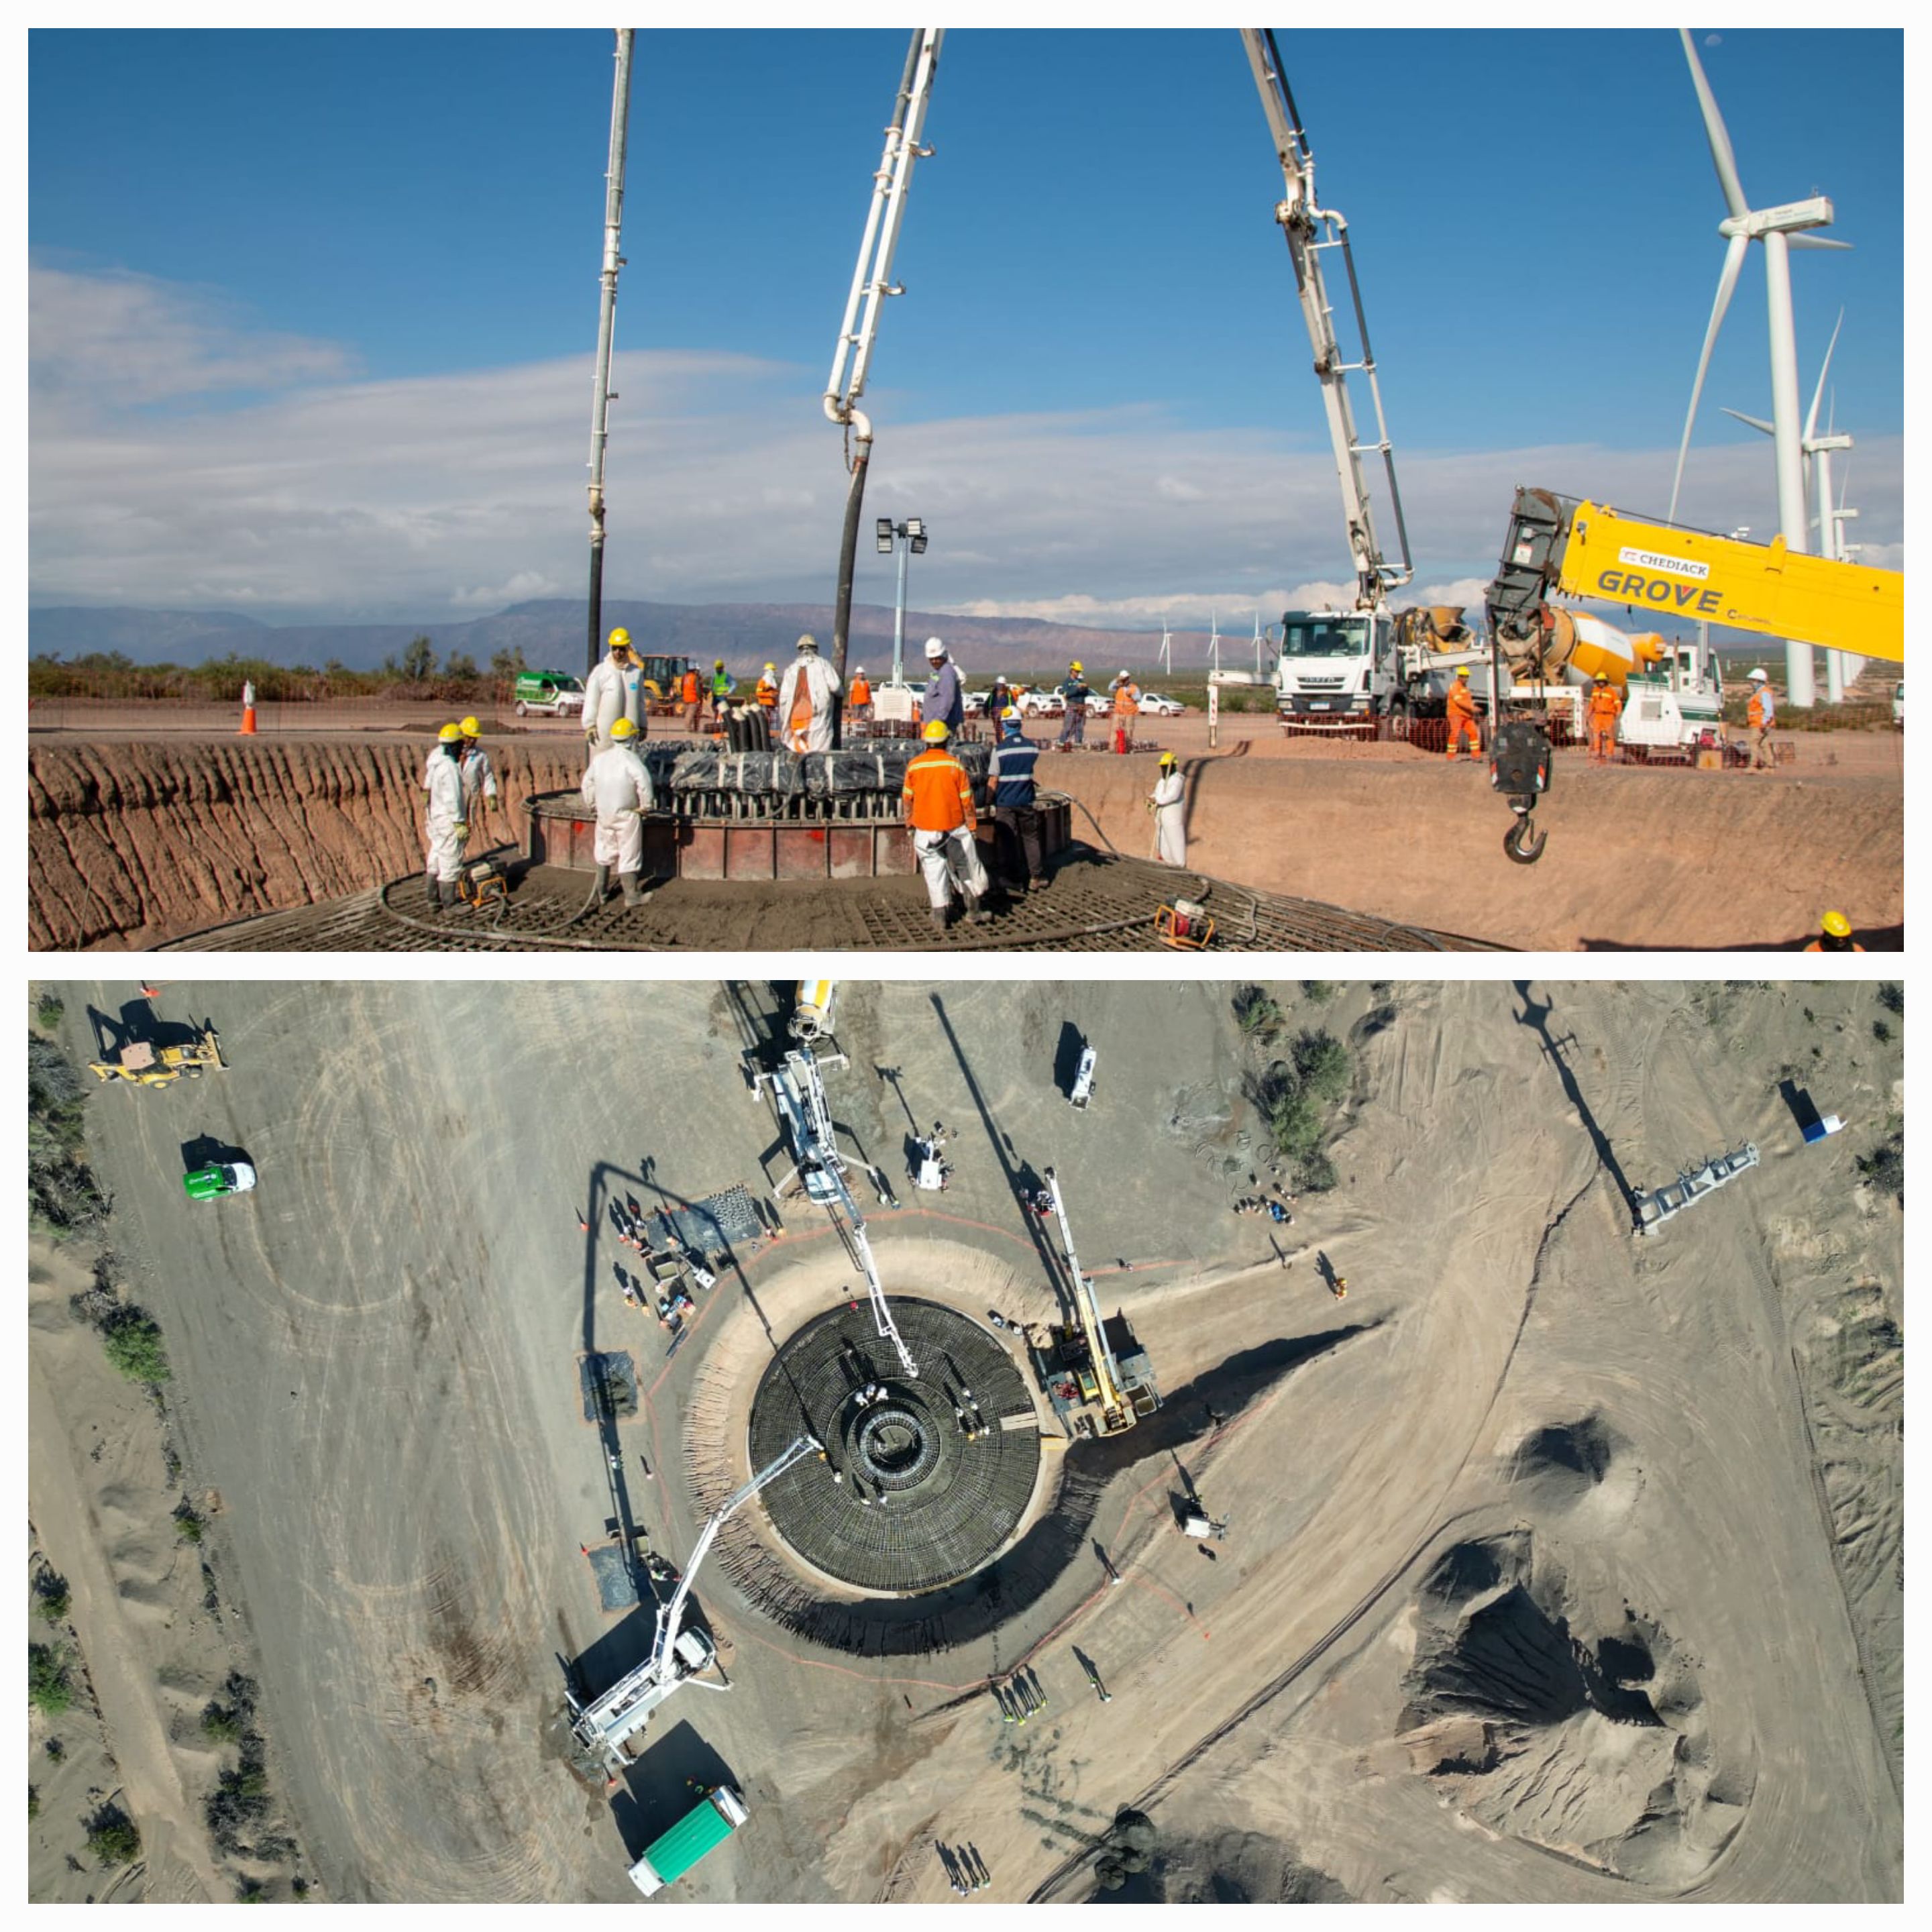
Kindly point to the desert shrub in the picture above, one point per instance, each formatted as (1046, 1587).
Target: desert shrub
(1322, 1061)
(1891, 996)
(33, 1801)
(1110, 1872)
(49, 1688)
(1257, 1013)
(222, 1724)
(113, 1837)
(1881, 1032)
(1319, 992)
(189, 1522)
(1884, 1167)
(132, 1340)
(50, 1587)
(62, 1194)
(48, 1009)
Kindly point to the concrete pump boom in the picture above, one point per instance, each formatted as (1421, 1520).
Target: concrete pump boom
(607, 322)
(871, 283)
(1311, 231)
(1106, 1370)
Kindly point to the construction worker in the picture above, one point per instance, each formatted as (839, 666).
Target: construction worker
(1075, 691)
(938, 800)
(1461, 709)
(479, 777)
(1170, 813)
(944, 702)
(806, 698)
(1126, 709)
(997, 699)
(858, 698)
(1761, 713)
(1016, 839)
(722, 682)
(615, 689)
(1604, 708)
(767, 691)
(690, 696)
(618, 783)
(1338, 1288)
(446, 830)
(1834, 935)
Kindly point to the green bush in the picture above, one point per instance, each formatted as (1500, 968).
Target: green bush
(1322, 1061)
(1881, 1032)
(1891, 996)
(1256, 1013)
(62, 1195)
(48, 1010)
(1884, 1167)
(112, 1836)
(33, 1801)
(55, 1600)
(189, 1524)
(222, 1724)
(1319, 992)
(132, 1340)
(48, 1688)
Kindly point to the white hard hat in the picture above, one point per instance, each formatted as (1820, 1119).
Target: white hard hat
(858, 671)
(933, 648)
(807, 643)
(1762, 674)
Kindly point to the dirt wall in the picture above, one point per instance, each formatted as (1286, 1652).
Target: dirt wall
(131, 843)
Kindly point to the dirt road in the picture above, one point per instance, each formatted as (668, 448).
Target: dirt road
(377, 1353)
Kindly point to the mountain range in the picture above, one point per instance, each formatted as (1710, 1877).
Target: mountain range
(551, 633)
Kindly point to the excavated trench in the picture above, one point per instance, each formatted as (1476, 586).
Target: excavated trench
(135, 842)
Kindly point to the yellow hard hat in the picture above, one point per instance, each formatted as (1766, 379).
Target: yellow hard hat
(771, 667)
(1603, 677)
(1462, 670)
(717, 664)
(624, 728)
(1076, 666)
(1168, 758)
(620, 639)
(935, 733)
(448, 735)
(470, 728)
(1837, 925)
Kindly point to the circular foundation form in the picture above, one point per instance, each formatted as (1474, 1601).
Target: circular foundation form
(922, 1482)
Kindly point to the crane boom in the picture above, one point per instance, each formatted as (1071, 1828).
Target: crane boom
(1106, 1370)
(1311, 231)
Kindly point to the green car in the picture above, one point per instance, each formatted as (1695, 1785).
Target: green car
(209, 1183)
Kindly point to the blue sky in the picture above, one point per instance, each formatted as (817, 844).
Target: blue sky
(269, 231)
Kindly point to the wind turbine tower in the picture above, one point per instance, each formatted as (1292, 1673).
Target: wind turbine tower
(1817, 452)
(1779, 229)
(1214, 641)
(1166, 648)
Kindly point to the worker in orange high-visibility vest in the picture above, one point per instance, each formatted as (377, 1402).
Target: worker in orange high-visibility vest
(690, 696)
(1761, 714)
(1603, 710)
(1126, 709)
(938, 799)
(1461, 713)
(858, 696)
(767, 692)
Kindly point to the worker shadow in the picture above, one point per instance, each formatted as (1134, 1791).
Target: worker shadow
(661, 1786)
(1804, 1112)
(1872, 938)
(1536, 1017)
(207, 1150)
(892, 1077)
(1066, 1058)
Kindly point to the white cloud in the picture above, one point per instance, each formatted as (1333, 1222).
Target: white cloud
(327, 496)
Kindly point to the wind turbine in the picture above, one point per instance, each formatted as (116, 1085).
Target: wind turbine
(1258, 645)
(1214, 644)
(1166, 648)
(1780, 230)
(1817, 454)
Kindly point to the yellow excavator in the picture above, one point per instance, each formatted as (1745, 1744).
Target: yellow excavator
(141, 1063)
(1564, 546)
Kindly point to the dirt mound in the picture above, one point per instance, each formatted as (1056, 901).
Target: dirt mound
(1560, 1715)
(1235, 1868)
(1585, 1465)
(133, 841)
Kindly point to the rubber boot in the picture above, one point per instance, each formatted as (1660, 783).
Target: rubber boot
(942, 917)
(446, 892)
(603, 884)
(435, 897)
(633, 892)
(975, 911)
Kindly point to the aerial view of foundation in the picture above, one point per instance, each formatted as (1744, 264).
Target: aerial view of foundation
(835, 1441)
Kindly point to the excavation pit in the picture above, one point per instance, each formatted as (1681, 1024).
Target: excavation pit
(926, 1478)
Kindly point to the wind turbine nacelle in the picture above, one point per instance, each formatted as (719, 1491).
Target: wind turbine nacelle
(1788, 217)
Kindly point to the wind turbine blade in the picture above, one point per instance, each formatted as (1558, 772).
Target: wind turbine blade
(1816, 241)
(1727, 281)
(1755, 422)
(1818, 394)
(1725, 161)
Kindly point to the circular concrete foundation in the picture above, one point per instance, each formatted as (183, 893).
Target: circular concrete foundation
(930, 1485)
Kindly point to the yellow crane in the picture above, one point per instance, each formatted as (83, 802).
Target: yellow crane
(1560, 546)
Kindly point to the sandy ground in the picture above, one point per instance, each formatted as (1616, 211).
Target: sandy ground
(140, 838)
(102, 1493)
(376, 1364)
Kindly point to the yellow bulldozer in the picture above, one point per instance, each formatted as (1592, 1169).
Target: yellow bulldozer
(144, 1064)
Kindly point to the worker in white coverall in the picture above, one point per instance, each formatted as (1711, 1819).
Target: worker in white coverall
(614, 690)
(479, 775)
(1170, 813)
(618, 783)
(444, 827)
(806, 694)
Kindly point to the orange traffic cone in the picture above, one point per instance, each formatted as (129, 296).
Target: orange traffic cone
(248, 730)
